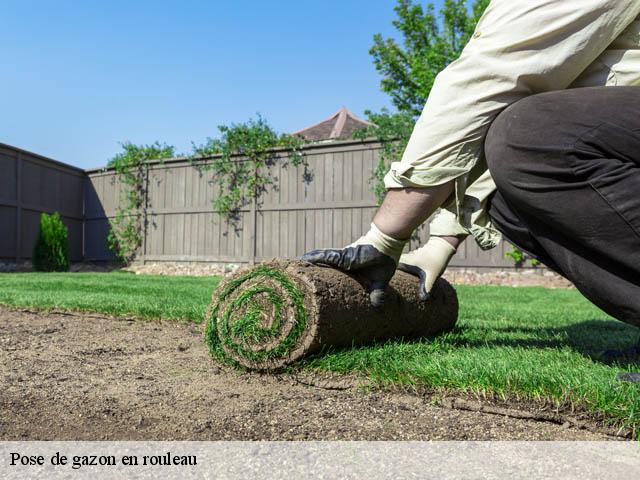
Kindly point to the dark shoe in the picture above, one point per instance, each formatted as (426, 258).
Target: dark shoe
(629, 377)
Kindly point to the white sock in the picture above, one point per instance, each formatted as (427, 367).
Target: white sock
(432, 258)
(382, 242)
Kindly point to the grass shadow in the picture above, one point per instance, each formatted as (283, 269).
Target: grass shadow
(590, 338)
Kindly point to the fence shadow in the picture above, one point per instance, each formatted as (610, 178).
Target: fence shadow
(96, 226)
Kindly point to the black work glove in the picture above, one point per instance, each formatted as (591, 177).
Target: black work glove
(373, 257)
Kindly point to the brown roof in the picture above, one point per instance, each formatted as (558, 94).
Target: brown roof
(341, 124)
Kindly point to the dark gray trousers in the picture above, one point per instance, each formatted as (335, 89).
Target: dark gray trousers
(567, 168)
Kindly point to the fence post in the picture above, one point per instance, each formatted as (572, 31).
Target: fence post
(254, 231)
(18, 207)
(145, 207)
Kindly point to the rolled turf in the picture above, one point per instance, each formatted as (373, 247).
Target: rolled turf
(270, 316)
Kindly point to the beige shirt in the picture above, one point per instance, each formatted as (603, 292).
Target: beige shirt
(519, 48)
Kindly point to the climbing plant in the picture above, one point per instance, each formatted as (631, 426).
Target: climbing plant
(239, 162)
(393, 131)
(127, 227)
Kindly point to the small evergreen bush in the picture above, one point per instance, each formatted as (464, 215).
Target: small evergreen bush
(51, 252)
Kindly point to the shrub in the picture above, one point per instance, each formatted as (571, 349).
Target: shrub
(51, 252)
(520, 258)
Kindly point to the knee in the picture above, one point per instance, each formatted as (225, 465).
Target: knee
(514, 137)
(498, 149)
(495, 143)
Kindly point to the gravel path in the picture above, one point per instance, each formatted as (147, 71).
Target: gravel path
(525, 277)
(529, 277)
(68, 377)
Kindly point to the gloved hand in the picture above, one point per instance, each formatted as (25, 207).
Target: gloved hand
(374, 257)
(428, 263)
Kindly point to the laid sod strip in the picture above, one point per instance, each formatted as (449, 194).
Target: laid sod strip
(275, 314)
(527, 342)
(116, 293)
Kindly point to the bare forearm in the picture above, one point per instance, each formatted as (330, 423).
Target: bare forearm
(405, 209)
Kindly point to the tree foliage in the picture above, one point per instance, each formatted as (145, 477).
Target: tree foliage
(520, 258)
(393, 131)
(429, 43)
(127, 227)
(240, 159)
(409, 68)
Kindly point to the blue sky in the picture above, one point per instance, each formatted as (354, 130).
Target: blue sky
(79, 77)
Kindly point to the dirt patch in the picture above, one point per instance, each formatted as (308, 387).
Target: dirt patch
(68, 377)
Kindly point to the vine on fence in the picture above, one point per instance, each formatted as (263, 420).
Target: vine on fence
(127, 227)
(240, 160)
(393, 131)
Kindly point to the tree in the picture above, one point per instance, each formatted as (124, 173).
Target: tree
(429, 44)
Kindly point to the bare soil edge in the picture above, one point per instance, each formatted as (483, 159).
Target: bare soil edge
(88, 376)
(537, 411)
(545, 411)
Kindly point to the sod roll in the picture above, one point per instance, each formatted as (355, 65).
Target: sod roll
(267, 317)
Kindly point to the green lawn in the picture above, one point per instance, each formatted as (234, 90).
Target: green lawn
(115, 293)
(529, 342)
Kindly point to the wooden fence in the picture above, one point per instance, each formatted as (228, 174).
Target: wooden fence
(331, 210)
(29, 185)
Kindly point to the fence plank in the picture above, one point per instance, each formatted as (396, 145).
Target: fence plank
(335, 208)
(31, 184)
(18, 232)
